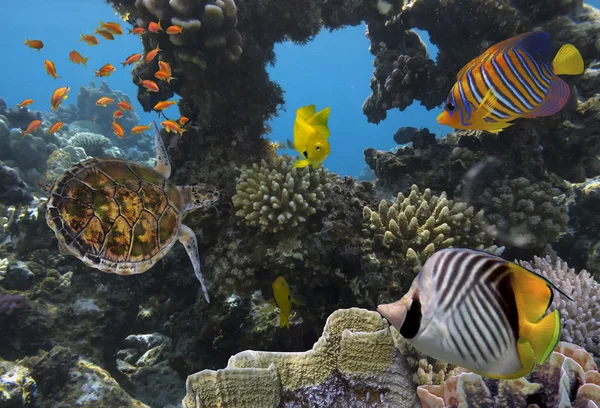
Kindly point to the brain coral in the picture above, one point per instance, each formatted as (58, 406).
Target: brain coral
(278, 197)
(93, 143)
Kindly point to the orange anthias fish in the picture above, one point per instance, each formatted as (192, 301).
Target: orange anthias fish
(133, 58)
(174, 30)
(513, 79)
(154, 27)
(149, 85)
(125, 106)
(76, 57)
(25, 103)
(55, 128)
(164, 105)
(104, 101)
(32, 127)
(58, 96)
(165, 67)
(35, 44)
(183, 120)
(137, 31)
(152, 54)
(117, 129)
(172, 126)
(114, 28)
(105, 70)
(105, 34)
(89, 39)
(50, 69)
(163, 76)
(117, 114)
(140, 129)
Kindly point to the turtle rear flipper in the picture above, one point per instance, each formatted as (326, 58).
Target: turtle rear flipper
(189, 241)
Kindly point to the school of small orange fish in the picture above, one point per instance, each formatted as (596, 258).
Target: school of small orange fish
(108, 32)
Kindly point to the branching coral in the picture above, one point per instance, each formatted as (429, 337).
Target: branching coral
(525, 213)
(418, 225)
(93, 143)
(278, 197)
(580, 318)
(568, 378)
(354, 363)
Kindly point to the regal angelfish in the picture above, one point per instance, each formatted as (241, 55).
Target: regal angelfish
(480, 312)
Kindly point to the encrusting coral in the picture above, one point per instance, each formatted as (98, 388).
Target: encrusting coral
(277, 196)
(526, 214)
(354, 364)
(569, 378)
(418, 225)
(580, 317)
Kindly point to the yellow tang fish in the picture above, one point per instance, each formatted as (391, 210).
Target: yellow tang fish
(310, 136)
(284, 300)
(480, 312)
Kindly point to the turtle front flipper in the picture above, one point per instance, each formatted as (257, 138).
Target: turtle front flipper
(189, 241)
(163, 165)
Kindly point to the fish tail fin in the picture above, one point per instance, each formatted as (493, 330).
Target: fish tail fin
(82, 38)
(319, 121)
(159, 26)
(26, 41)
(300, 163)
(84, 61)
(544, 336)
(568, 61)
(284, 320)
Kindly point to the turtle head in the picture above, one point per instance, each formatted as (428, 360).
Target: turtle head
(200, 195)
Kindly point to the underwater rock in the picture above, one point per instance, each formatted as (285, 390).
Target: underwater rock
(28, 151)
(354, 363)
(4, 138)
(405, 135)
(17, 387)
(9, 303)
(66, 379)
(18, 276)
(12, 189)
(20, 117)
(568, 378)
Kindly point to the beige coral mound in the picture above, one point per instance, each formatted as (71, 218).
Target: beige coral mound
(422, 223)
(276, 196)
(580, 318)
(354, 364)
(569, 378)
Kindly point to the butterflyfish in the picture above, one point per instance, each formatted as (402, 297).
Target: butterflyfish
(480, 312)
(513, 79)
(310, 136)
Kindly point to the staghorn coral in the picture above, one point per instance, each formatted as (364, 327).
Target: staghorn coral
(526, 214)
(569, 378)
(580, 318)
(418, 225)
(93, 143)
(278, 197)
(354, 363)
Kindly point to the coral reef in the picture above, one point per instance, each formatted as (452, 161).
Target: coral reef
(17, 388)
(568, 378)
(354, 363)
(9, 303)
(580, 318)
(12, 188)
(399, 237)
(278, 197)
(526, 214)
(92, 143)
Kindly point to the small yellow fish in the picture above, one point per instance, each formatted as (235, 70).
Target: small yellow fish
(283, 298)
(310, 136)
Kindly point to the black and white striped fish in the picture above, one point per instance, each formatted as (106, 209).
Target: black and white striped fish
(480, 312)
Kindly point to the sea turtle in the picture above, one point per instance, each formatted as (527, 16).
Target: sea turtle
(122, 217)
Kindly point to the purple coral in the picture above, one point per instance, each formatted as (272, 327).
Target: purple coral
(8, 303)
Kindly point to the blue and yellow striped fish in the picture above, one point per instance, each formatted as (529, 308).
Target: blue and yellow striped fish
(479, 312)
(512, 79)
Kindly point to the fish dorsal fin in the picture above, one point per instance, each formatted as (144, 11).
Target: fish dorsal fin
(470, 65)
(319, 121)
(556, 99)
(306, 111)
(568, 61)
(536, 43)
(533, 293)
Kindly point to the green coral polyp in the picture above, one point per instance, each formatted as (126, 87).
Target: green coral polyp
(420, 224)
(276, 197)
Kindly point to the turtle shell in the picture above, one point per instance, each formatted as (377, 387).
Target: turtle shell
(115, 215)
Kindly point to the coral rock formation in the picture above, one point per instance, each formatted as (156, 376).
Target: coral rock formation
(354, 363)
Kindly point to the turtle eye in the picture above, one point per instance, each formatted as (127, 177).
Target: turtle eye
(450, 106)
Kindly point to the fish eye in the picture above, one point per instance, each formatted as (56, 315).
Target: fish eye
(450, 106)
(318, 147)
(412, 321)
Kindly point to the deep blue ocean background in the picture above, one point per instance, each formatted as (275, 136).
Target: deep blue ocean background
(333, 70)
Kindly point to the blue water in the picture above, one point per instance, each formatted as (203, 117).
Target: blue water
(333, 70)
